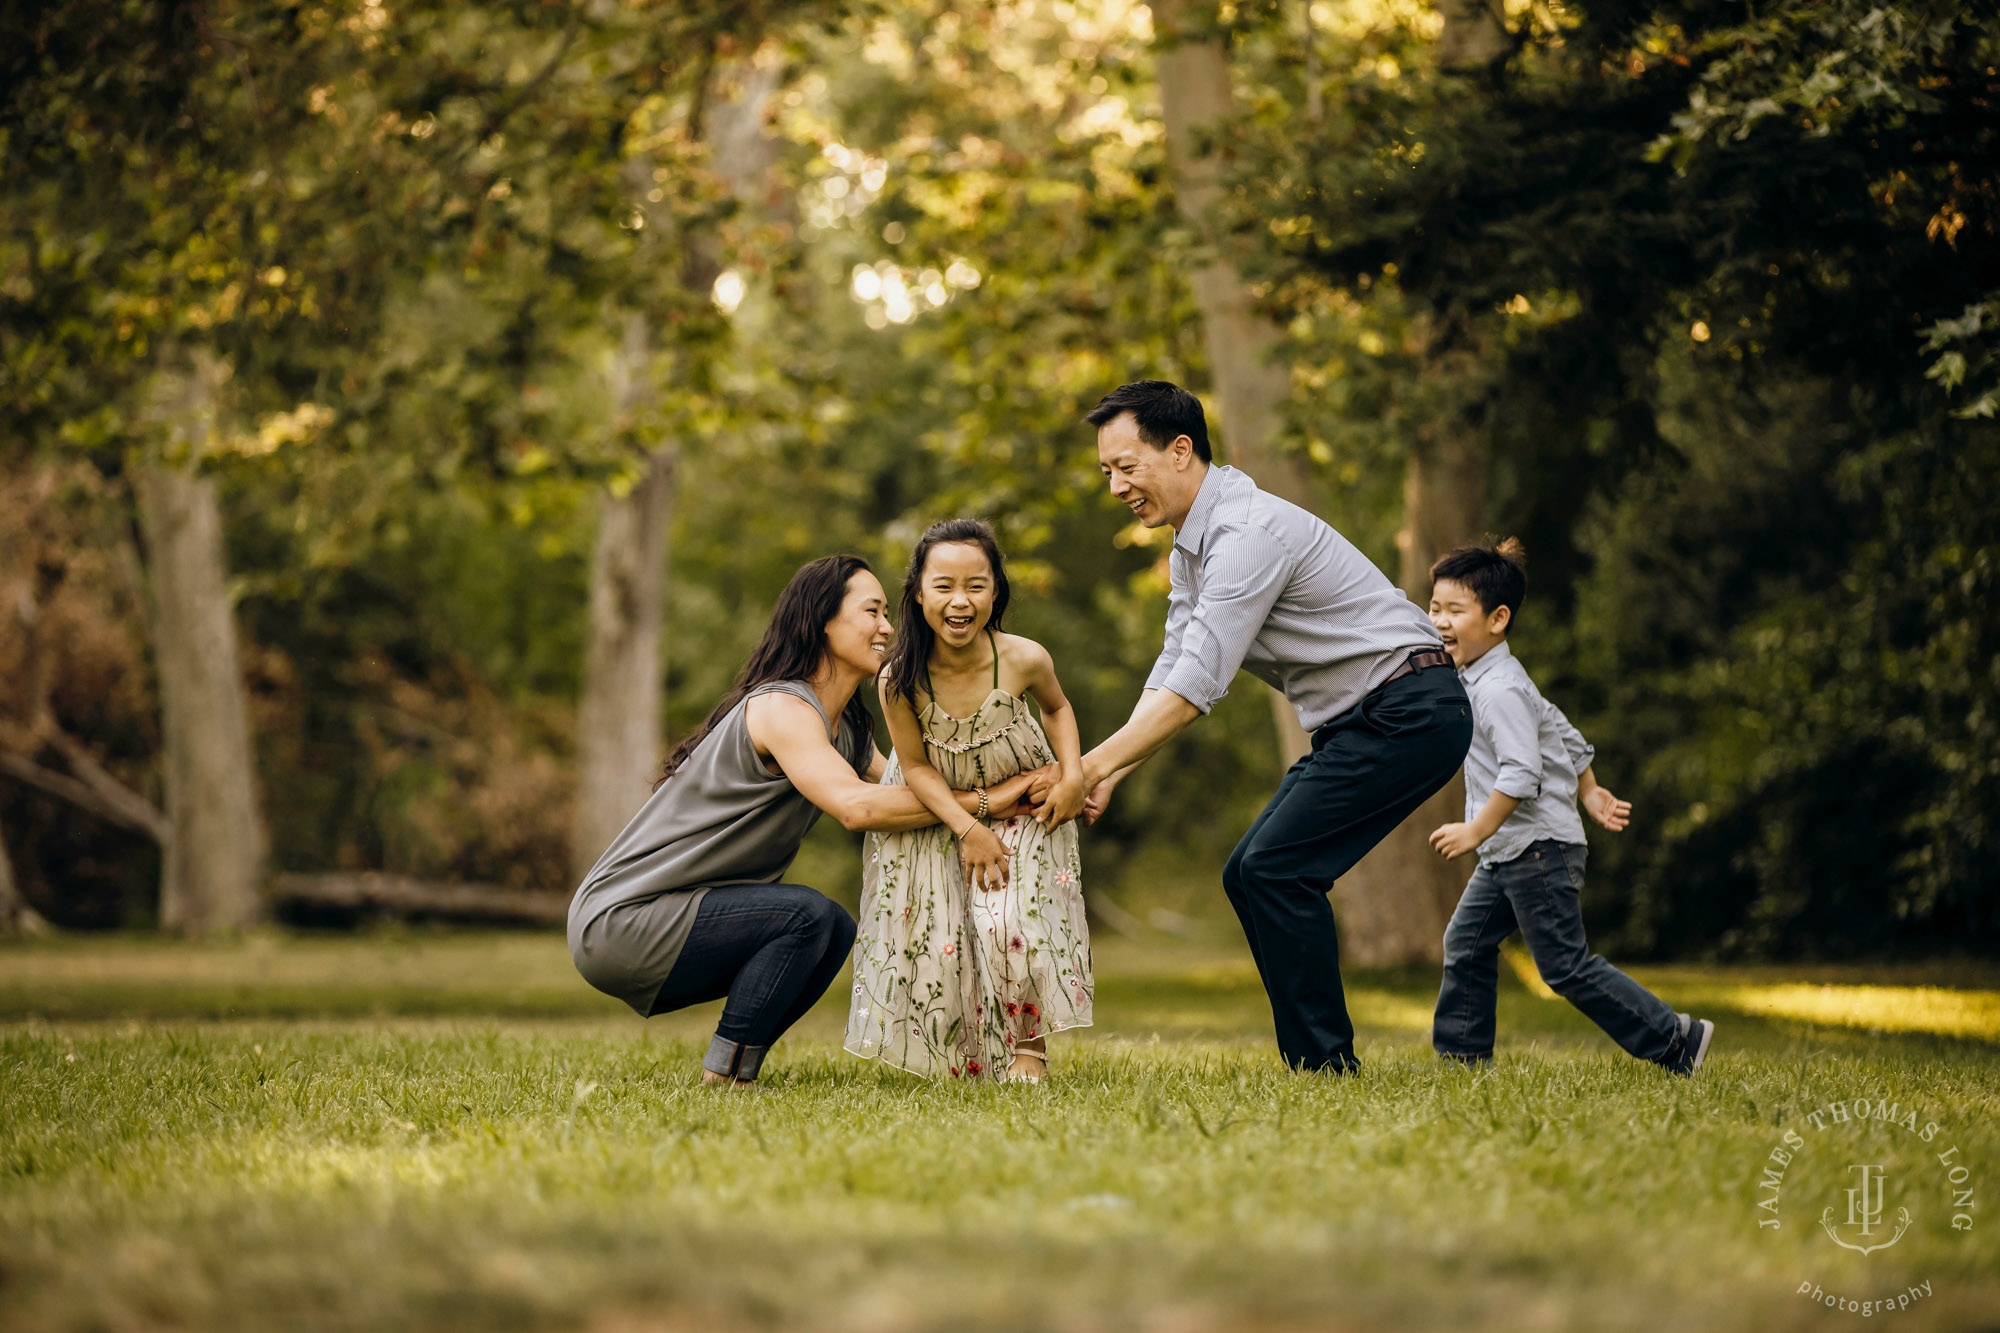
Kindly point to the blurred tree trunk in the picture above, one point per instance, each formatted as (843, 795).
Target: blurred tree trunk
(1471, 39)
(1250, 388)
(16, 917)
(213, 862)
(618, 720)
(618, 717)
(1394, 905)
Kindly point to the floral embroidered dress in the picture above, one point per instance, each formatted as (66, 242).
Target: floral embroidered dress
(946, 978)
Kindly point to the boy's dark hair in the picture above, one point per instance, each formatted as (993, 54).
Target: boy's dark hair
(1496, 575)
(1161, 411)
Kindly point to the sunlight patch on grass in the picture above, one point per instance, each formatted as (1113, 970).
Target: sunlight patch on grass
(1380, 1008)
(389, 957)
(1932, 1009)
(1523, 967)
(1942, 1011)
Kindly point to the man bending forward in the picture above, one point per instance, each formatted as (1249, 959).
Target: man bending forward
(1261, 584)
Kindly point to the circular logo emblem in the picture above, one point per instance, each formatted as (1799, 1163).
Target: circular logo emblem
(1860, 1176)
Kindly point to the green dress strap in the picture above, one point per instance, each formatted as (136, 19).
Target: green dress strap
(931, 689)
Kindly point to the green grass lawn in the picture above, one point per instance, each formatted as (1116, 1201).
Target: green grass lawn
(413, 1131)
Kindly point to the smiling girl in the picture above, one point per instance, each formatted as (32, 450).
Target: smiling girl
(973, 946)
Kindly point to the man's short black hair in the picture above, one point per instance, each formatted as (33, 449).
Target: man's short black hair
(1496, 575)
(1161, 410)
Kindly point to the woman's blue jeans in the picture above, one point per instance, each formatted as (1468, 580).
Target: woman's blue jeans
(1541, 893)
(772, 950)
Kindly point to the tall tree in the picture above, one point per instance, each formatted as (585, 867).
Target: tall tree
(618, 717)
(1198, 105)
(214, 856)
(16, 917)
(160, 251)
(290, 188)
(1700, 270)
(1396, 902)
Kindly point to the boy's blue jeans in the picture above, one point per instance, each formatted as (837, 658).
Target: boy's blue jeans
(1540, 892)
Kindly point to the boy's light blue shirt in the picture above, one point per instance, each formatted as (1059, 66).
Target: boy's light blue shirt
(1522, 746)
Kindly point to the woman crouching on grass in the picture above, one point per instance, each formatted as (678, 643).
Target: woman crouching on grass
(685, 906)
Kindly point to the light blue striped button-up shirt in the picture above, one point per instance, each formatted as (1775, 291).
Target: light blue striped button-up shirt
(1522, 746)
(1262, 584)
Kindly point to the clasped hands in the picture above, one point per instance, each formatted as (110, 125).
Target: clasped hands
(1042, 793)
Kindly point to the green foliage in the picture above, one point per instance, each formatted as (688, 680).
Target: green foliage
(1819, 754)
(402, 234)
(1712, 283)
(986, 243)
(1698, 273)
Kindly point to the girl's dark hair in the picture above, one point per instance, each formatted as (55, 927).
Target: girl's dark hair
(911, 653)
(792, 649)
(1497, 575)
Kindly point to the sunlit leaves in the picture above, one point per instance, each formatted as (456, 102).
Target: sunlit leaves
(1969, 345)
(1813, 64)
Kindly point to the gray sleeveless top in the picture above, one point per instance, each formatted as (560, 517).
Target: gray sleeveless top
(723, 818)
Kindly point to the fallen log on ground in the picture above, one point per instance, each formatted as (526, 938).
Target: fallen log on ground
(397, 895)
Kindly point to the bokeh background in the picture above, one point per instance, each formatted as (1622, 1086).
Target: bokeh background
(409, 411)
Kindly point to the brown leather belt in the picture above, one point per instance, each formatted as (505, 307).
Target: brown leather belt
(1421, 660)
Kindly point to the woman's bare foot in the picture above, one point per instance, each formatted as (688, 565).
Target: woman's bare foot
(712, 1079)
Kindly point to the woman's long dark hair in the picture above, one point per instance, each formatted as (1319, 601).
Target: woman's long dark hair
(911, 653)
(791, 649)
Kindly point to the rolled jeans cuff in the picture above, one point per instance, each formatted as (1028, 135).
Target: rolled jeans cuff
(732, 1059)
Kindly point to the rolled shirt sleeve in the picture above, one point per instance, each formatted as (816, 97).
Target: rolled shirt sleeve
(1511, 721)
(1581, 751)
(1243, 571)
(1180, 605)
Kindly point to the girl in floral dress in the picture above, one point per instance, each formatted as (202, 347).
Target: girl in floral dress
(972, 945)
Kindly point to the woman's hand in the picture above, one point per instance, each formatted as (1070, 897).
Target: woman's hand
(985, 857)
(1010, 798)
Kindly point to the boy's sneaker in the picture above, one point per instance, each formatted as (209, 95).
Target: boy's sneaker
(1692, 1047)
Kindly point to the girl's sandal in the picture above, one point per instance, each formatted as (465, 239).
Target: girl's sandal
(1041, 1067)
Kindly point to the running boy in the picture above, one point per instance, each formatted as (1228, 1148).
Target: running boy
(1523, 776)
